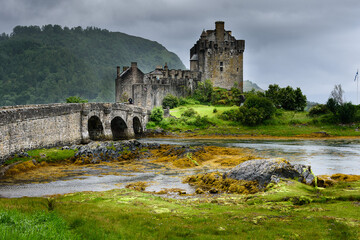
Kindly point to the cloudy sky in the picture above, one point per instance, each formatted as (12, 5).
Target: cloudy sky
(311, 44)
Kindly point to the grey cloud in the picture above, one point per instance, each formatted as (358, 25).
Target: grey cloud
(310, 44)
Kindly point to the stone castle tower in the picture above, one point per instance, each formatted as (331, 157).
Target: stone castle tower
(218, 56)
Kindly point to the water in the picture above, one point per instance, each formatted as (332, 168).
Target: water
(325, 157)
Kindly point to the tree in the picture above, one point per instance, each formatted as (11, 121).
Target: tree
(300, 100)
(332, 105)
(286, 98)
(337, 94)
(273, 94)
(204, 92)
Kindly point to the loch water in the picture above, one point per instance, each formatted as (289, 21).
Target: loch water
(325, 157)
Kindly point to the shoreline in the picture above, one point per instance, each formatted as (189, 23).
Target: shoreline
(304, 137)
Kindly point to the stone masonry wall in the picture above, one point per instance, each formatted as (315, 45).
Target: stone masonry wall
(35, 126)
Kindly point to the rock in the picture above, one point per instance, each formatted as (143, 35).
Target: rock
(265, 171)
(307, 176)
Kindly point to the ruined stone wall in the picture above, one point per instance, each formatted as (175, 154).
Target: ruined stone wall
(35, 126)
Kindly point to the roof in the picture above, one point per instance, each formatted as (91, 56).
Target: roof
(195, 57)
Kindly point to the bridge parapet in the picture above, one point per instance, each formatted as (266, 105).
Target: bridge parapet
(35, 126)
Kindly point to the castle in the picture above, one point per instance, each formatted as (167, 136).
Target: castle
(217, 56)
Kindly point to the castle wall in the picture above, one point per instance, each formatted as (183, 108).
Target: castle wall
(224, 69)
(150, 95)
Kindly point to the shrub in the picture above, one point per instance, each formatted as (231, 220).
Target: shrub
(318, 110)
(261, 103)
(187, 101)
(189, 112)
(150, 124)
(76, 99)
(231, 115)
(347, 112)
(170, 101)
(251, 116)
(157, 115)
(247, 116)
(200, 122)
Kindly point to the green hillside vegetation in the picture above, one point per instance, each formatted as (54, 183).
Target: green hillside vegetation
(274, 112)
(51, 63)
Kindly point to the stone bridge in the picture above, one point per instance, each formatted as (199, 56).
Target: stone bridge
(36, 126)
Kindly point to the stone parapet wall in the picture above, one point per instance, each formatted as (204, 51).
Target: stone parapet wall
(27, 112)
(37, 126)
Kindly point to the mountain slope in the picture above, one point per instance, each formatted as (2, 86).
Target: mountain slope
(49, 64)
(248, 86)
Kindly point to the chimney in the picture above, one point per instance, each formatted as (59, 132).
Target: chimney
(118, 71)
(134, 65)
(219, 31)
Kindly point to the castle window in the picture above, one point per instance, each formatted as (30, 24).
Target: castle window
(221, 66)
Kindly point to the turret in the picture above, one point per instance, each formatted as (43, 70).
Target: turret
(219, 31)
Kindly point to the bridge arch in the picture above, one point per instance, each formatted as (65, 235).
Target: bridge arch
(118, 128)
(138, 129)
(95, 128)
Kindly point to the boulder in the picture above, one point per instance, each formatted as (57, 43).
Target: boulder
(265, 171)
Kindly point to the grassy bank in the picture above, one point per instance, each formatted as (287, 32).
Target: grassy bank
(283, 124)
(287, 211)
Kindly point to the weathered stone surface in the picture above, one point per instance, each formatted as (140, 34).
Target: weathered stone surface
(107, 151)
(265, 171)
(47, 125)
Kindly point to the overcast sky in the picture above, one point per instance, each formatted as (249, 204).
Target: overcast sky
(311, 44)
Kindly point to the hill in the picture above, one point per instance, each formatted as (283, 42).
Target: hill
(51, 63)
(248, 86)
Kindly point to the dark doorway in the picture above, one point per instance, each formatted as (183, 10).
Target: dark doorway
(95, 128)
(137, 127)
(118, 128)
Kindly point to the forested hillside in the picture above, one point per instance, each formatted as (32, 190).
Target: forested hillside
(51, 63)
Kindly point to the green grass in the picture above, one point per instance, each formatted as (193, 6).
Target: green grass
(283, 123)
(203, 110)
(48, 155)
(19, 225)
(126, 214)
